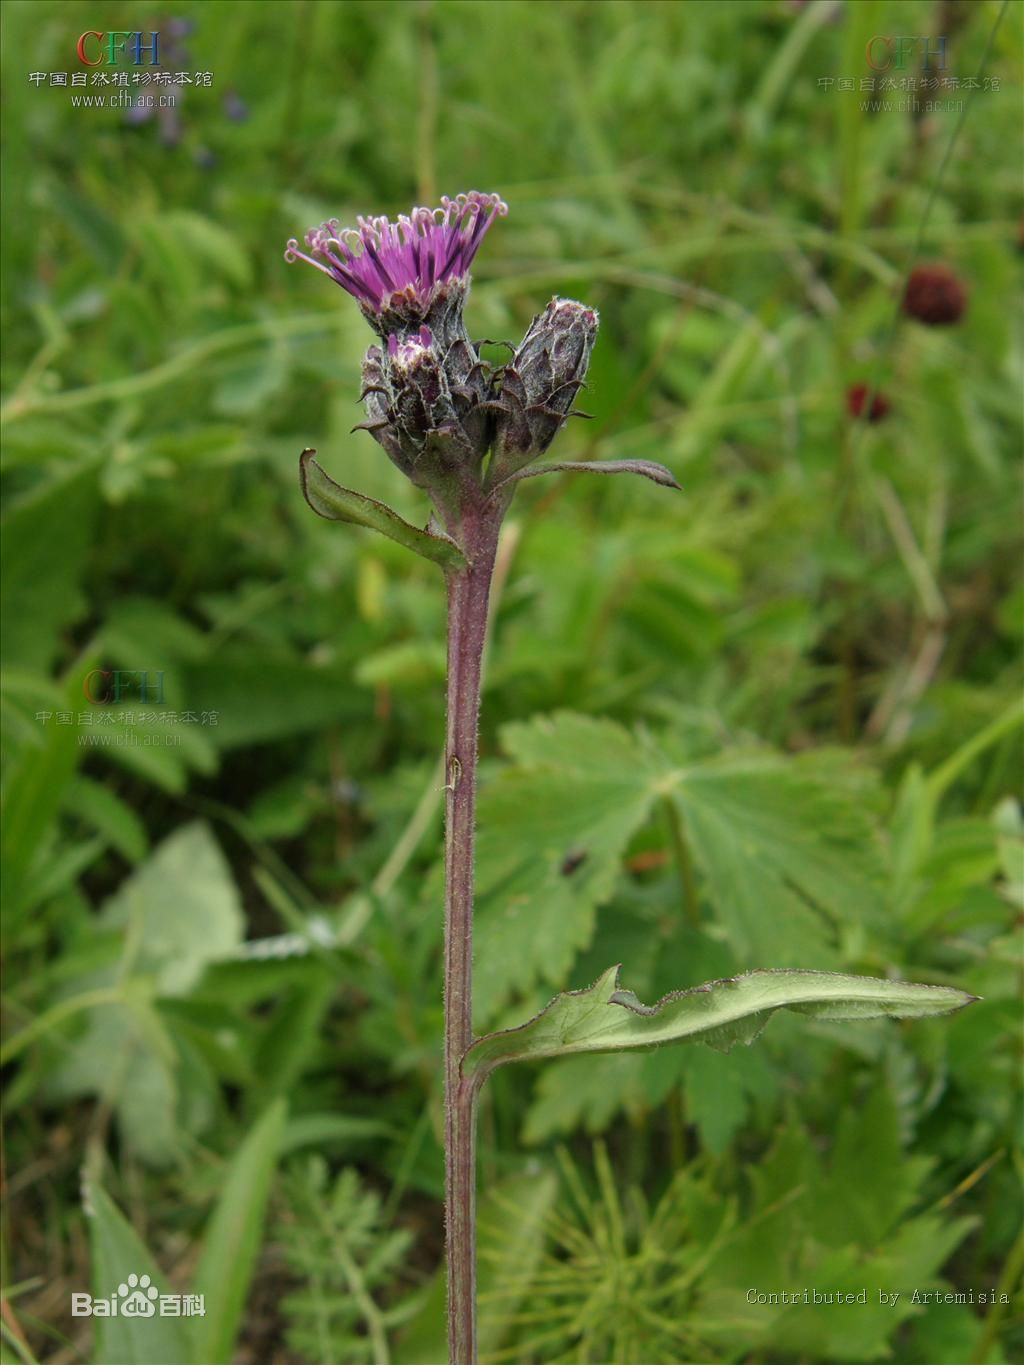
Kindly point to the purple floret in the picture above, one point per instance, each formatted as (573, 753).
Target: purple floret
(411, 257)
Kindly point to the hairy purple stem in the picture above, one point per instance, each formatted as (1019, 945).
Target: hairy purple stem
(468, 592)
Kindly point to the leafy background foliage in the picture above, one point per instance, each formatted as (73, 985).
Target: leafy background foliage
(771, 721)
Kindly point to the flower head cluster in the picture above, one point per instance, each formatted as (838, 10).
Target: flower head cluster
(432, 402)
(426, 407)
(408, 272)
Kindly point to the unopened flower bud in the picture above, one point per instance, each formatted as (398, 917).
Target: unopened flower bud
(421, 406)
(540, 383)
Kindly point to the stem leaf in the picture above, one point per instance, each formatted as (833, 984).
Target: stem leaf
(604, 1018)
(647, 468)
(328, 499)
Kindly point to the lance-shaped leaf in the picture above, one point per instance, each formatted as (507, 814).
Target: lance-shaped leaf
(649, 469)
(328, 499)
(721, 1013)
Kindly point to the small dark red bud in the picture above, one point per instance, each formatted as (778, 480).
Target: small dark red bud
(935, 295)
(856, 402)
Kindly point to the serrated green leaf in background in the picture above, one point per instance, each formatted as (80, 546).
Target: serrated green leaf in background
(552, 834)
(789, 861)
(584, 1093)
(793, 1238)
(787, 858)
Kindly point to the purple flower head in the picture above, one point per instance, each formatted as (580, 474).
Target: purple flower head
(410, 272)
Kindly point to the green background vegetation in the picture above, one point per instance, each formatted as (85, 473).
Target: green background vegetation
(222, 996)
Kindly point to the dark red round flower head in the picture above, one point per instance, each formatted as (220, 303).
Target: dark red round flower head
(856, 401)
(935, 295)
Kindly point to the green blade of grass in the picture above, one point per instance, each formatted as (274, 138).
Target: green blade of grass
(233, 1238)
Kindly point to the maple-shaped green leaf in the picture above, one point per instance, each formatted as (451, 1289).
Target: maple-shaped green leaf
(328, 499)
(605, 1018)
(553, 830)
(842, 1219)
(788, 858)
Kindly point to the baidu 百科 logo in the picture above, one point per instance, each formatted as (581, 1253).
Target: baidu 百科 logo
(138, 1297)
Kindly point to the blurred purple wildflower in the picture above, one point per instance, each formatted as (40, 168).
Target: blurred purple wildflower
(174, 57)
(410, 272)
(235, 107)
(168, 120)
